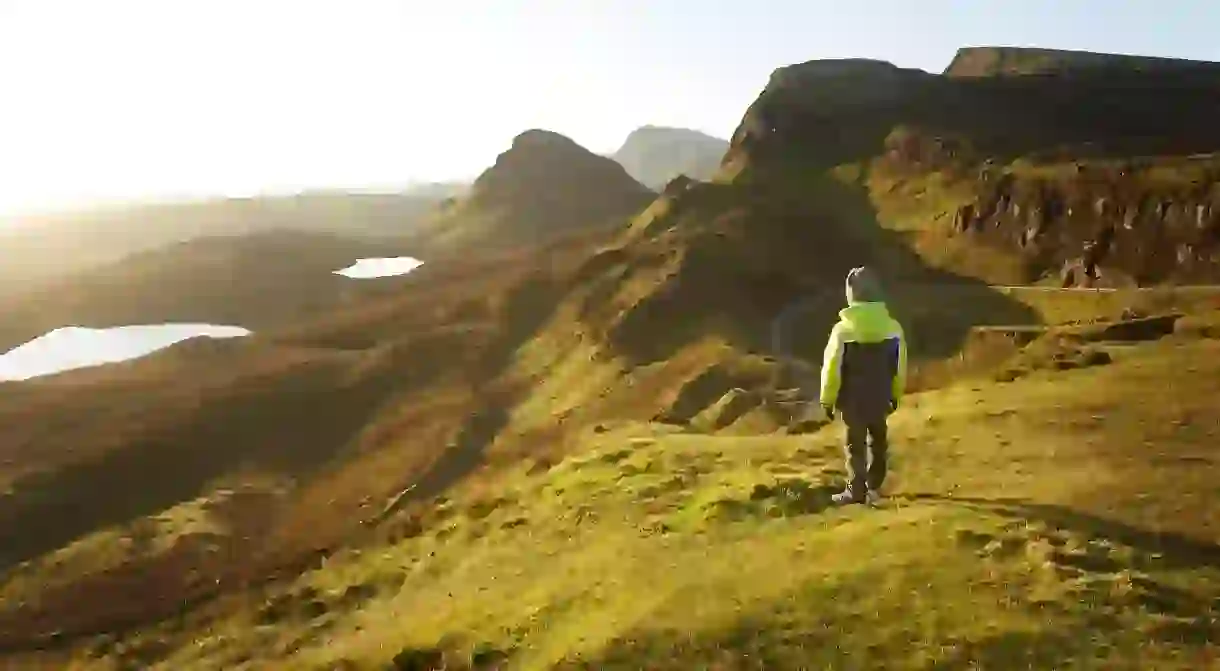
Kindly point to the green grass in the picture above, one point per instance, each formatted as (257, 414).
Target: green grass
(1061, 521)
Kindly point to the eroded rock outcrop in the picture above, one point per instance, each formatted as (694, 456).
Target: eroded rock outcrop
(1120, 226)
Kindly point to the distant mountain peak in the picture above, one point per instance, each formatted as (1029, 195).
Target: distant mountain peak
(654, 154)
(537, 154)
(654, 129)
(543, 185)
(537, 137)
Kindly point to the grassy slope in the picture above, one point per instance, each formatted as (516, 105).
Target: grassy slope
(1055, 522)
(303, 434)
(570, 376)
(323, 419)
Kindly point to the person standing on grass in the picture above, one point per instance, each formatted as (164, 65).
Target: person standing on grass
(863, 375)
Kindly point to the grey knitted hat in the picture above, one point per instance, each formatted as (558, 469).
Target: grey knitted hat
(863, 286)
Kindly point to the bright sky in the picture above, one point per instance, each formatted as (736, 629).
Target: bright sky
(121, 99)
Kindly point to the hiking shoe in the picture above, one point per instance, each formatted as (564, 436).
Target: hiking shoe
(844, 498)
(873, 497)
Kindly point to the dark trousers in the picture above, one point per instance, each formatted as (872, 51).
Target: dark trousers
(867, 452)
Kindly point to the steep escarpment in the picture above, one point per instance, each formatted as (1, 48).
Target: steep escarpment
(1015, 61)
(1096, 145)
(1101, 224)
(842, 111)
(543, 186)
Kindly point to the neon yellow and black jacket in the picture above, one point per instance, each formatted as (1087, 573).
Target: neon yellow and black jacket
(864, 368)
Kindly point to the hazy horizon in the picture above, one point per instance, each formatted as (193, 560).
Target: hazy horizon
(146, 99)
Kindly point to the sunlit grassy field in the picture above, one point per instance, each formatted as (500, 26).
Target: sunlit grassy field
(1064, 520)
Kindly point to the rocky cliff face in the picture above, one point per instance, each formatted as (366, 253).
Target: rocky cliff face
(1079, 166)
(1113, 224)
(843, 111)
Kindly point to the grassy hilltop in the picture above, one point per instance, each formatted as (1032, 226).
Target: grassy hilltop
(574, 446)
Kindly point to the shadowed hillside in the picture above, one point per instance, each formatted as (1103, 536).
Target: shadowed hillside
(545, 185)
(654, 155)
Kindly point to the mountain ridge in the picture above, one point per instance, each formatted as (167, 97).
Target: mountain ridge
(990, 61)
(929, 145)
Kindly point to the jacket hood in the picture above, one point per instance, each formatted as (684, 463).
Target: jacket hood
(868, 321)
